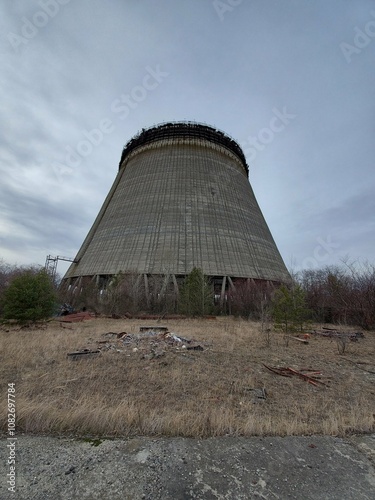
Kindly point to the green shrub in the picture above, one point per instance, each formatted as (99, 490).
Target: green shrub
(29, 297)
(196, 295)
(289, 310)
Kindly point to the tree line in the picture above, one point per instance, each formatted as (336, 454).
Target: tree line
(333, 294)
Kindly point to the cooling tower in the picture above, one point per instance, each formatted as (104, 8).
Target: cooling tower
(181, 199)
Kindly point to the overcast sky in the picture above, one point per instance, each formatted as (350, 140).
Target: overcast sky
(292, 81)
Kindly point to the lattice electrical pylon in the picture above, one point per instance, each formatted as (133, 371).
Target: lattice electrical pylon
(51, 264)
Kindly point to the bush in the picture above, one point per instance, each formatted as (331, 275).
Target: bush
(289, 309)
(342, 294)
(30, 296)
(196, 295)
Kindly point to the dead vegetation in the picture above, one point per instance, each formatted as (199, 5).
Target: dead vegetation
(223, 389)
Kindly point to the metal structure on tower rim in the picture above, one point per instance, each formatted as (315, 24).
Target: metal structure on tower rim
(181, 199)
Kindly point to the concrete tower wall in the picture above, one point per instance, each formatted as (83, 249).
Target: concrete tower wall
(181, 199)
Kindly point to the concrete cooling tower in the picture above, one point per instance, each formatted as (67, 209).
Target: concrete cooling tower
(181, 199)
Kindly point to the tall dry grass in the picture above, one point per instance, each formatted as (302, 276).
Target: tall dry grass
(183, 393)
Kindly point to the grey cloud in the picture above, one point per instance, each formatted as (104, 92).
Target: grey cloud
(312, 180)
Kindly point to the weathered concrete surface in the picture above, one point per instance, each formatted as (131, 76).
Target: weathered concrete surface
(176, 468)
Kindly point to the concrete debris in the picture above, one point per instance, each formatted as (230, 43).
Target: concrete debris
(194, 348)
(259, 395)
(152, 342)
(83, 354)
(154, 354)
(334, 333)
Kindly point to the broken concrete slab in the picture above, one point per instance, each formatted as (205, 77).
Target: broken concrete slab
(83, 354)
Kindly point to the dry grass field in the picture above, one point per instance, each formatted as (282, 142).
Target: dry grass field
(181, 392)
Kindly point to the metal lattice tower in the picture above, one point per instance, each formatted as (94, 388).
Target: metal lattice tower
(51, 264)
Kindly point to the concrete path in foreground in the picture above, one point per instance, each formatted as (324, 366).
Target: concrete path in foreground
(176, 468)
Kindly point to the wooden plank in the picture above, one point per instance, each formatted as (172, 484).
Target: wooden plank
(278, 371)
(304, 341)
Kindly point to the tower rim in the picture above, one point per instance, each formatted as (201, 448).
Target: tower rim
(183, 129)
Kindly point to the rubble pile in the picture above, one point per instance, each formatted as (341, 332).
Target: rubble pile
(151, 342)
(334, 333)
